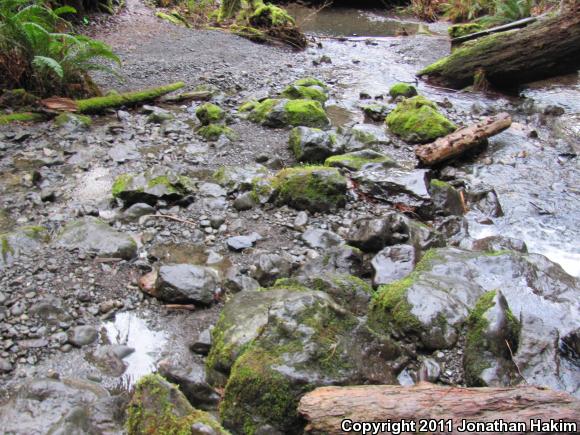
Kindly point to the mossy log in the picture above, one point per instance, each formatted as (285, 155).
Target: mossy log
(547, 48)
(462, 140)
(21, 117)
(98, 104)
(325, 408)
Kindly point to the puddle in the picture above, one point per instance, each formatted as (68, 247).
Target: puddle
(351, 22)
(130, 330)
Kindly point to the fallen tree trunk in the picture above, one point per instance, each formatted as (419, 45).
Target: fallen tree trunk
(325, 408)
(547, 48)
(497, 29)
(462, 140)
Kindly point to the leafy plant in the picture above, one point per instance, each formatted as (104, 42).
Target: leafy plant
(425, 9)
(466, 10)
(507, 11)
(37, 54)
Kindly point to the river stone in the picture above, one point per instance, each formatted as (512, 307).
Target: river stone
(276, 113)
(307, 341)
(90, 234)
(192, 382)
(234, 178)
(82, 335)
(434, 302)
(393, 263)
(158, 406)
(317, 238)
(490, 327)
(136, 211)
(202, 345)
(364, 136)
(21, 241)
(498, 243)
(157, 115)
(373, 234)
(185, 283)
(239, 243)
(446, 199)
(362, 159)
(483, 198)
(313, 145)
(245, 201)
(270, 267)
(68, 406)
(397, 186)
(5, 366)
(314, 188)
(343, 259)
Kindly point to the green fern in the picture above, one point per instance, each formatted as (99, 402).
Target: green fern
(42, 63)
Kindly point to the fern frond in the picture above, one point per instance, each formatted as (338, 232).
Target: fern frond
(48, 63)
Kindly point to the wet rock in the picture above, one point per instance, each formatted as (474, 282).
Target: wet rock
(498, 243)
(313, 145)
(280, 113)
(71, 123)
(417, 120)
(423, 237)
(202, 345)
(124, 152)
(60, 406)
(314, 188)
(446, 198)
(321, 239)
(239, 243)
(92, 235)
(312, 355)
(245, 201)
(342, 259)
(211, 190)
(483, 198)
(297, 92)
(301, 221)
(358, 160)
(82, 335)
(157, 115)
(152, 186)
(430, 370)
(491, 328)
(234, 178)
(373, 234)
(137, 210)
(192, 382)
(393, 263)
(397, 186)
(237, 282)
(5, 366)
(376, 112)
(21, 241)
(158, 406)
(109, 359)
(270, 267)
(186, 283)
(433, 303)
(364, 136)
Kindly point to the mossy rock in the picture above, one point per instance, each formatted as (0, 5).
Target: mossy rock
(313, 188)
(239, 178)
(269, 16)
(446, 198)
(173, 18)
(17, 98)
(71, 121)
(313, 145)
(376, 112)
(248, 32)
(151, 186)
(402, 90)
(304, 92)
(357, 160)
(210, 113)
(277, 113)
(21, 241)
(458, 30)
(417, 120)
(159, 407)
(213, 132)
(310, 81)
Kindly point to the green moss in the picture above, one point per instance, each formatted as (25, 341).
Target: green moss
(98, 104)
(20, 117)
(307, 113)
(5, 248)
(209, 113)
(417, 120)
(173, 18)
(65, 118)
(251, 33)
(248, 106)
(458, 30)
(268, 15)
(288, 283)
(356, 160)
(262, 110)
(295, 92)
(402, 90)
(310, 81)
(36, 232)
(213, 132)
(475, 344)
(121, 184)
(439, 184)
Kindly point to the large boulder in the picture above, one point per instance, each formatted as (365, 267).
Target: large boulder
(92, 235)
(433, 303)
(306, 341)
(312, 188)
(21, 241)
(158, 406)
(183, 283)
(281, 113)
(307, 89)
(417, 120)
(312, 144)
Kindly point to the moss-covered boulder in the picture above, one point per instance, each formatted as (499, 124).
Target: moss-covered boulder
(281, 113)
(71, 122)
(158, 407)
(313, 145)
(306, 89)
(446, 199)
(21, 241)
(268, 16)
(313, 188)
(417, 120)
(210, 113)
(307, 341)
(239, 178)
(376, 112)
(402, 90)
(151, 186)
(213, 132)
(458, 30)
(364, 136)
(360, 159)
(492, 330)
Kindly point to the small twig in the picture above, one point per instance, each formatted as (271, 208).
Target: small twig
(172, 217)
(515, 363)
(463, 203)
(180, 307)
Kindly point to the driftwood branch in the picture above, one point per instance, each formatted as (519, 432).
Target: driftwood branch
(462, 140)
(325, 408)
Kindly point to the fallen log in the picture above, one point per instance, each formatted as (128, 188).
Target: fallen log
(547, 48)
(443, 408)
(188, 96)
(497, 29)
(462, 140)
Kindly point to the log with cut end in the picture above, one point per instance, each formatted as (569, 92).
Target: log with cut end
(325, 408)
(547, 48)
(462, 140)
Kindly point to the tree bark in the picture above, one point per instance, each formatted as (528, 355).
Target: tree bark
(547, 48)
(462, 140)
(325, 408)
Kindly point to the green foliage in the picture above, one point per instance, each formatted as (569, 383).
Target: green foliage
(464, 10)
(36, 55)
(506, 11)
